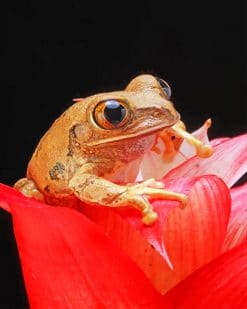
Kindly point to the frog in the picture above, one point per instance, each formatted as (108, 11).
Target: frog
(92, 152)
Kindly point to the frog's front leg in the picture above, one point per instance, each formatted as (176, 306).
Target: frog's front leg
(93, 189)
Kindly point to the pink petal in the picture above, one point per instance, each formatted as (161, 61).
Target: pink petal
(219, 140)
(68, 262)
(202, 132)
(159, 167)
(221, 284)
(237, 227)
(229, 162)
(191, 237)
(187, 149)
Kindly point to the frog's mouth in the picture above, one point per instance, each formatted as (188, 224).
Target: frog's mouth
(142, 133)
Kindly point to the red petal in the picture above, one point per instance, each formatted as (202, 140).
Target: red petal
(107, 217)
(140, 250)
(237, 227)
(220, 284)
(192, 236)
(8, 194)
(229, 162)
(195, 235)
(69, 263)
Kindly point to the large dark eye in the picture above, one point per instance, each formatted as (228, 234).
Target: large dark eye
(114, 112)
(165, 87)
(111, 114)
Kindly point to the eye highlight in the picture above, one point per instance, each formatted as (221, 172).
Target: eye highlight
(111, 114)
(165, 87)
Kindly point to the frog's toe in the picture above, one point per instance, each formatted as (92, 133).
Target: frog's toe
(28, 188)
(150, 217)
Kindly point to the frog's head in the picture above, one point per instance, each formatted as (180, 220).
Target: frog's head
(142, 109)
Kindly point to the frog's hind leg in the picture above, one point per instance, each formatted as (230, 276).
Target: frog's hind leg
(28, 188)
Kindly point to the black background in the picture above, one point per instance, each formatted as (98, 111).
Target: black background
(69, 49)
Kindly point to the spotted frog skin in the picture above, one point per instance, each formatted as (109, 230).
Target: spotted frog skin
(92, 152)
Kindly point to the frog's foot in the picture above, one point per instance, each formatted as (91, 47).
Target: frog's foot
(151, 182)
(202, 150)
(93, 189)
(136, 195)
(173, 138)
(28, 188)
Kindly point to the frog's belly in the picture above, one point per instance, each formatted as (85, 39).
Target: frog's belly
(126, 173)
(126, 168)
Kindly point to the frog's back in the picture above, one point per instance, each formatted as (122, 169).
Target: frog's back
(49, 166)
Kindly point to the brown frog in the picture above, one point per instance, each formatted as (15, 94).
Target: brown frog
(93, 150)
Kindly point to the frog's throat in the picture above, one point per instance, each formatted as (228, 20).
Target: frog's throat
(113, 139)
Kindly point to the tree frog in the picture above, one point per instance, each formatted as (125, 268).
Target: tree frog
(92, 152)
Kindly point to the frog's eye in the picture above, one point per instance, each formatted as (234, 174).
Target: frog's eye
(111, 114)
(165, 87)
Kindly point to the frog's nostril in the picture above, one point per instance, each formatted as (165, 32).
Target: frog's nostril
(156, 114)
(164, 112)
(170, 114)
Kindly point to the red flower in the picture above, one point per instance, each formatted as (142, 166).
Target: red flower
(103, 258)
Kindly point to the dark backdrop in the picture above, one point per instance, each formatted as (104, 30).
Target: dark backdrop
(74, 48)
